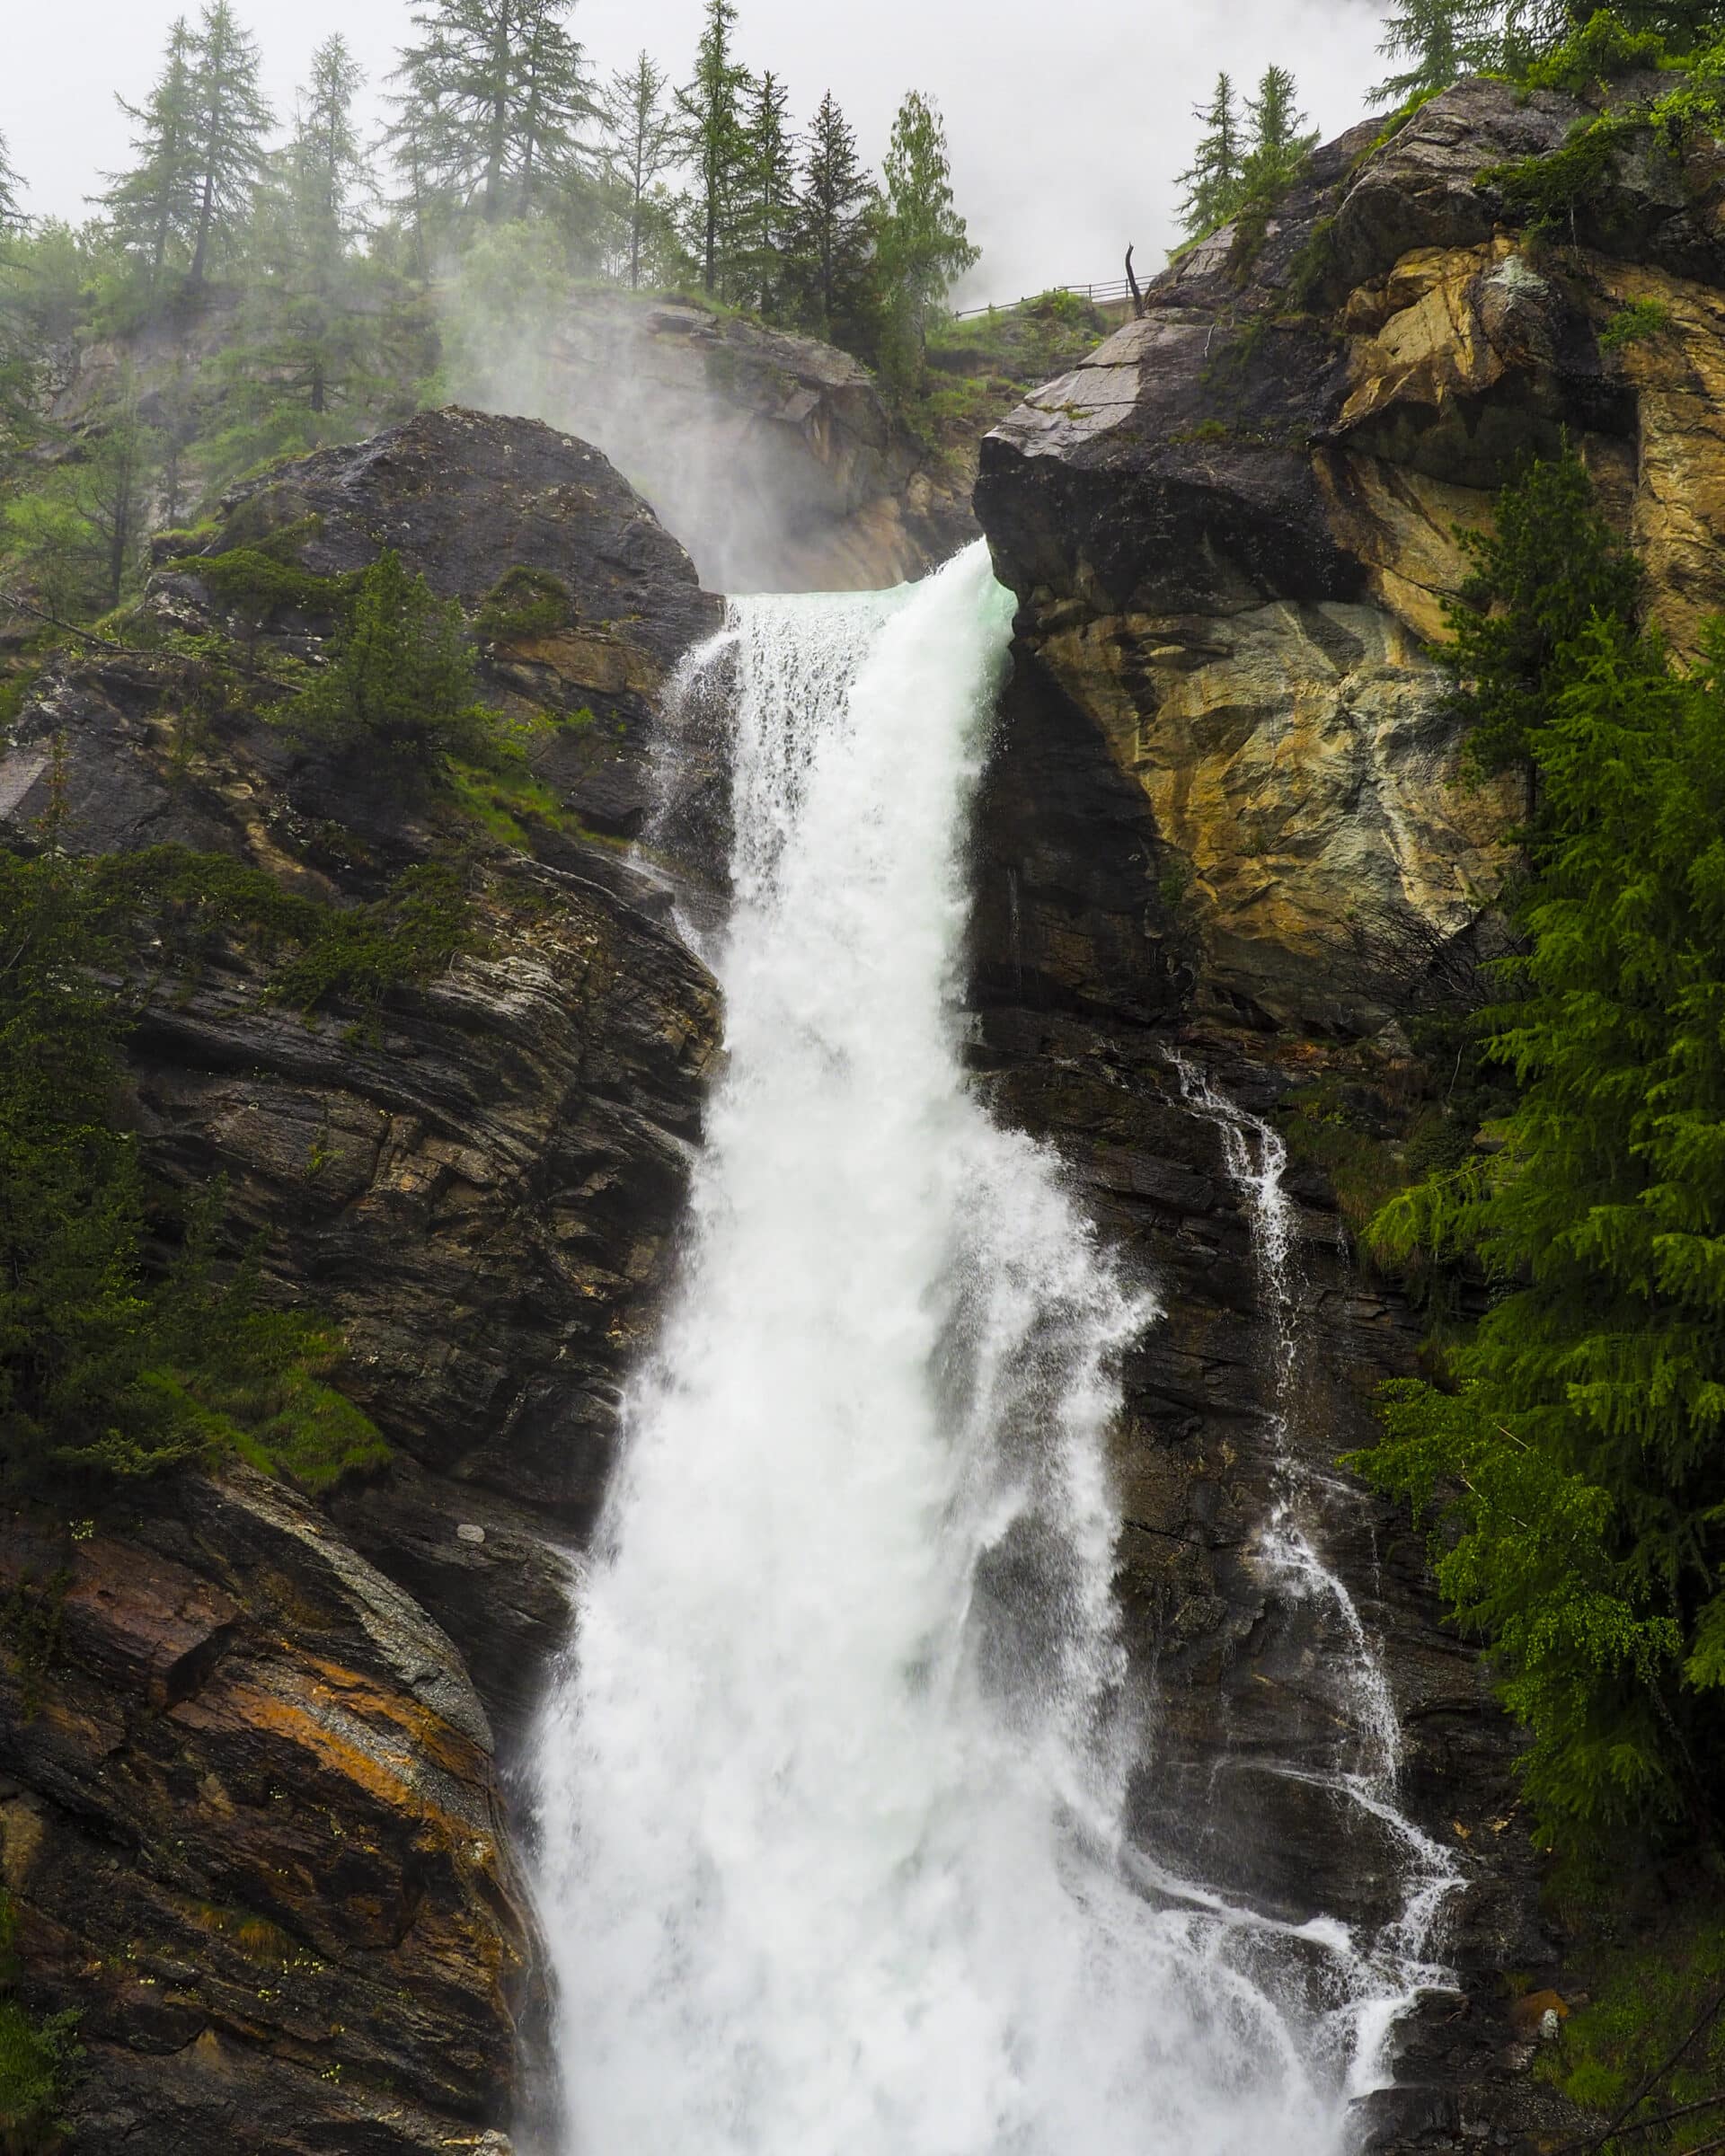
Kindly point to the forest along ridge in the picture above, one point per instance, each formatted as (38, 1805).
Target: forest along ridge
(1188, 1037)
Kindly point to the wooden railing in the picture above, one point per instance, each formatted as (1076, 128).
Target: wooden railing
(1099, 295)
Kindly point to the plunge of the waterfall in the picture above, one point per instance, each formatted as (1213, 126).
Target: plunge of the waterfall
(830, 1787)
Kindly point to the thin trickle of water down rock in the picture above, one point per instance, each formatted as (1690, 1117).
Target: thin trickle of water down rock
(829, 1788)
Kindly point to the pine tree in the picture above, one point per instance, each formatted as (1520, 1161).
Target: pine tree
(714, 141)
(494, 99)
(229, 122)
(924, 248)
(642, 147)
(770, 198)
(154, 206)
(1214, 180)
(311, 319)
(1443, 41)
(831, 234)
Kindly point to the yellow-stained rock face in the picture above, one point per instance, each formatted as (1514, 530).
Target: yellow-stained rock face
(1298, 762)
(1236, 527)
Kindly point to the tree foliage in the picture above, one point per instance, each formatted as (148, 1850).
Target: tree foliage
(924, 245)
(1570, 1462)
(110, 1366)
(1243, 163)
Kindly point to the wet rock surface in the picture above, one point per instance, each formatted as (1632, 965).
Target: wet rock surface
(1086, 976)
(253, 1752)
(249, 1825)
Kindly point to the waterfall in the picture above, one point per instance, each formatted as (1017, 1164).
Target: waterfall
(1380, 1978)
(830, 1786)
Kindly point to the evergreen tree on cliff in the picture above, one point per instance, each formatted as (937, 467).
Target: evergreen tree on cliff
(831, 237)
(229, 122)
(1213, 180)
(314, 314)
(495, 98)
(925, 247)
(154, 204)
(713, 136)
(1440, 39)
(642, 147)
(1278, 138)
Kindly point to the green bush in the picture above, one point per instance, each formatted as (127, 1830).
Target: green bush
(37, 2057)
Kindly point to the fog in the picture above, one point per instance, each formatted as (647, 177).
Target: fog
(1068, 124)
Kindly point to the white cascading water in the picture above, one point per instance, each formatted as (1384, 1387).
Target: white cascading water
(1389, 1972)
(830, 1787)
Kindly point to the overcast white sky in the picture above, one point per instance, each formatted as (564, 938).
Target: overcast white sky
(1067, 119)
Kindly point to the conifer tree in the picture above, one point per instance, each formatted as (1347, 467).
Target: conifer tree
(311, 316)
(1570, 1460)
(495, 98)
(924, 245)
(714, 141)
(155, 204)
(229, 122)
(642, 147)
(770, 196)
(1441, 40)
(558, 102)
(831, 235)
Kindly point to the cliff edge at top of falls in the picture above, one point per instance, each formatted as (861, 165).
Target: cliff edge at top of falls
(1232, 527)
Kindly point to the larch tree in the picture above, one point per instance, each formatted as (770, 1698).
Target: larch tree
(713, 138)
(152, 205)
(11, 216)
(832, 229)
(229, 122)
(493, 99)
(925, 247)
(641, 149)
(311, 323)
(1213, 182)
(1278, 138)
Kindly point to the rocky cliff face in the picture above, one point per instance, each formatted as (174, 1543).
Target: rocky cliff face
(1232, 527)
(1226, 812)
(251, 1793)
